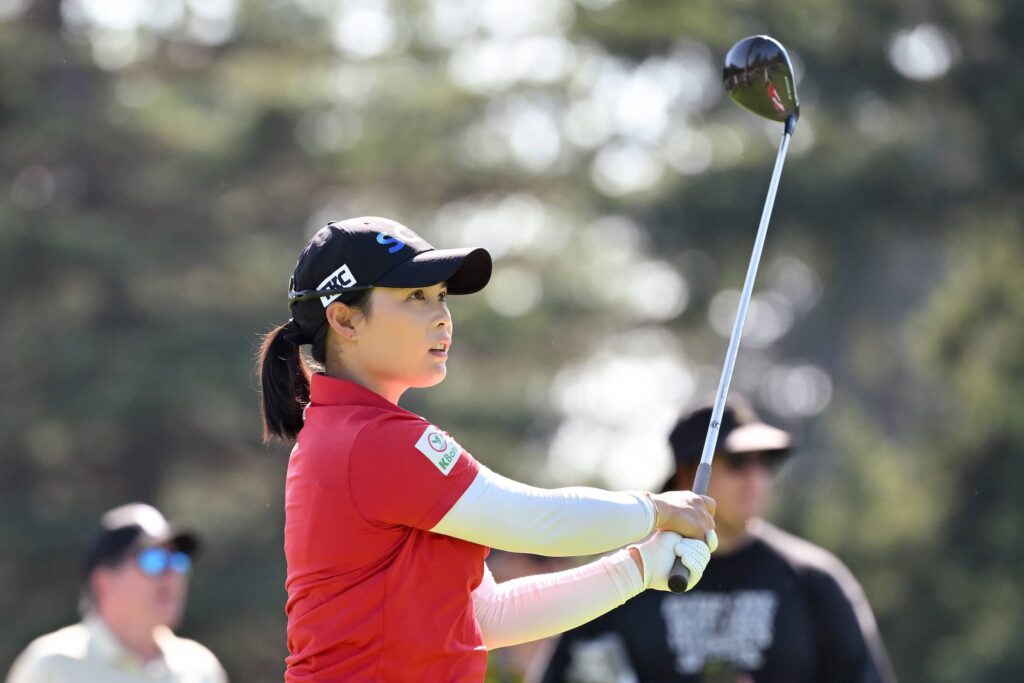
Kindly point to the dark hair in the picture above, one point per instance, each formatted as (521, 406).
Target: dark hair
(284, 372)
(86, 599)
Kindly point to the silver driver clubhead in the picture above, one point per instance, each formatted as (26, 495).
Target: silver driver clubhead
(759, 77)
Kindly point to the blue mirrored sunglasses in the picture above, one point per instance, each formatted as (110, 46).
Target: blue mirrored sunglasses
(155, 561)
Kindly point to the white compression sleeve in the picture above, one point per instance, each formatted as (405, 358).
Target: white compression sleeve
(501, 513)
(534, 607)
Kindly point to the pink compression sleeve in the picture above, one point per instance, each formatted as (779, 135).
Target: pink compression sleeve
(534, 607)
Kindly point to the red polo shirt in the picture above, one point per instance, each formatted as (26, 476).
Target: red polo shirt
(372, 594)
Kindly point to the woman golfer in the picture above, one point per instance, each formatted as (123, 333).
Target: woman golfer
(388, 519)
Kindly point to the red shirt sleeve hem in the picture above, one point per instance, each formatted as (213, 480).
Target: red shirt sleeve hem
(445, 503)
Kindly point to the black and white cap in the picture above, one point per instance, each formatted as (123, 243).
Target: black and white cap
(360, 253)
(131, 527)
(741, 431)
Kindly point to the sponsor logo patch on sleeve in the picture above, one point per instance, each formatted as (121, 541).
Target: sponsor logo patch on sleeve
(440, 449)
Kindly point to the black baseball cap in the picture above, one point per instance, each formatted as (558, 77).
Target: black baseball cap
(133, 527)
(360, 253)
(741, 431)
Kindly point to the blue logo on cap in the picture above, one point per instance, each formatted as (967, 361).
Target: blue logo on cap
(385, 240)
(402, 236)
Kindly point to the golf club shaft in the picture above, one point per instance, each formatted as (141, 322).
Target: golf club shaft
(679, 576)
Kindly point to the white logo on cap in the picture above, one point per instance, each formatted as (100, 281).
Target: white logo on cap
(439, 448)
(342, 277)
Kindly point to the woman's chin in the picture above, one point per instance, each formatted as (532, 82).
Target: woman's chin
(432, 379)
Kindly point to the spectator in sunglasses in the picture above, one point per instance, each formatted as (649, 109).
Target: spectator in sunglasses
(770, 608)
(135, 573)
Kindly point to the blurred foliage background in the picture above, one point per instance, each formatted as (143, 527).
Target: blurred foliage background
(165, 160)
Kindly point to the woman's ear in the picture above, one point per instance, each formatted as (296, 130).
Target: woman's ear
(342, 320)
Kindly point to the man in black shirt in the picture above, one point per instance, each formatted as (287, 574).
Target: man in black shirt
(771, 608)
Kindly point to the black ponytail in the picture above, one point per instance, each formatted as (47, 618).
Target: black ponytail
(284, 373)
(284, 383)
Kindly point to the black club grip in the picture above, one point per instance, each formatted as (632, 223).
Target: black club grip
(679, 576)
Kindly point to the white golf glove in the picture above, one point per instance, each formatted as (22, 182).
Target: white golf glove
(659, 552)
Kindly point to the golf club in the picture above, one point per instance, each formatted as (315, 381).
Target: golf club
(759, 77)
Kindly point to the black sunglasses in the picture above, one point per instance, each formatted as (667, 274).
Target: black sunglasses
(771, 462)
(298, 297)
